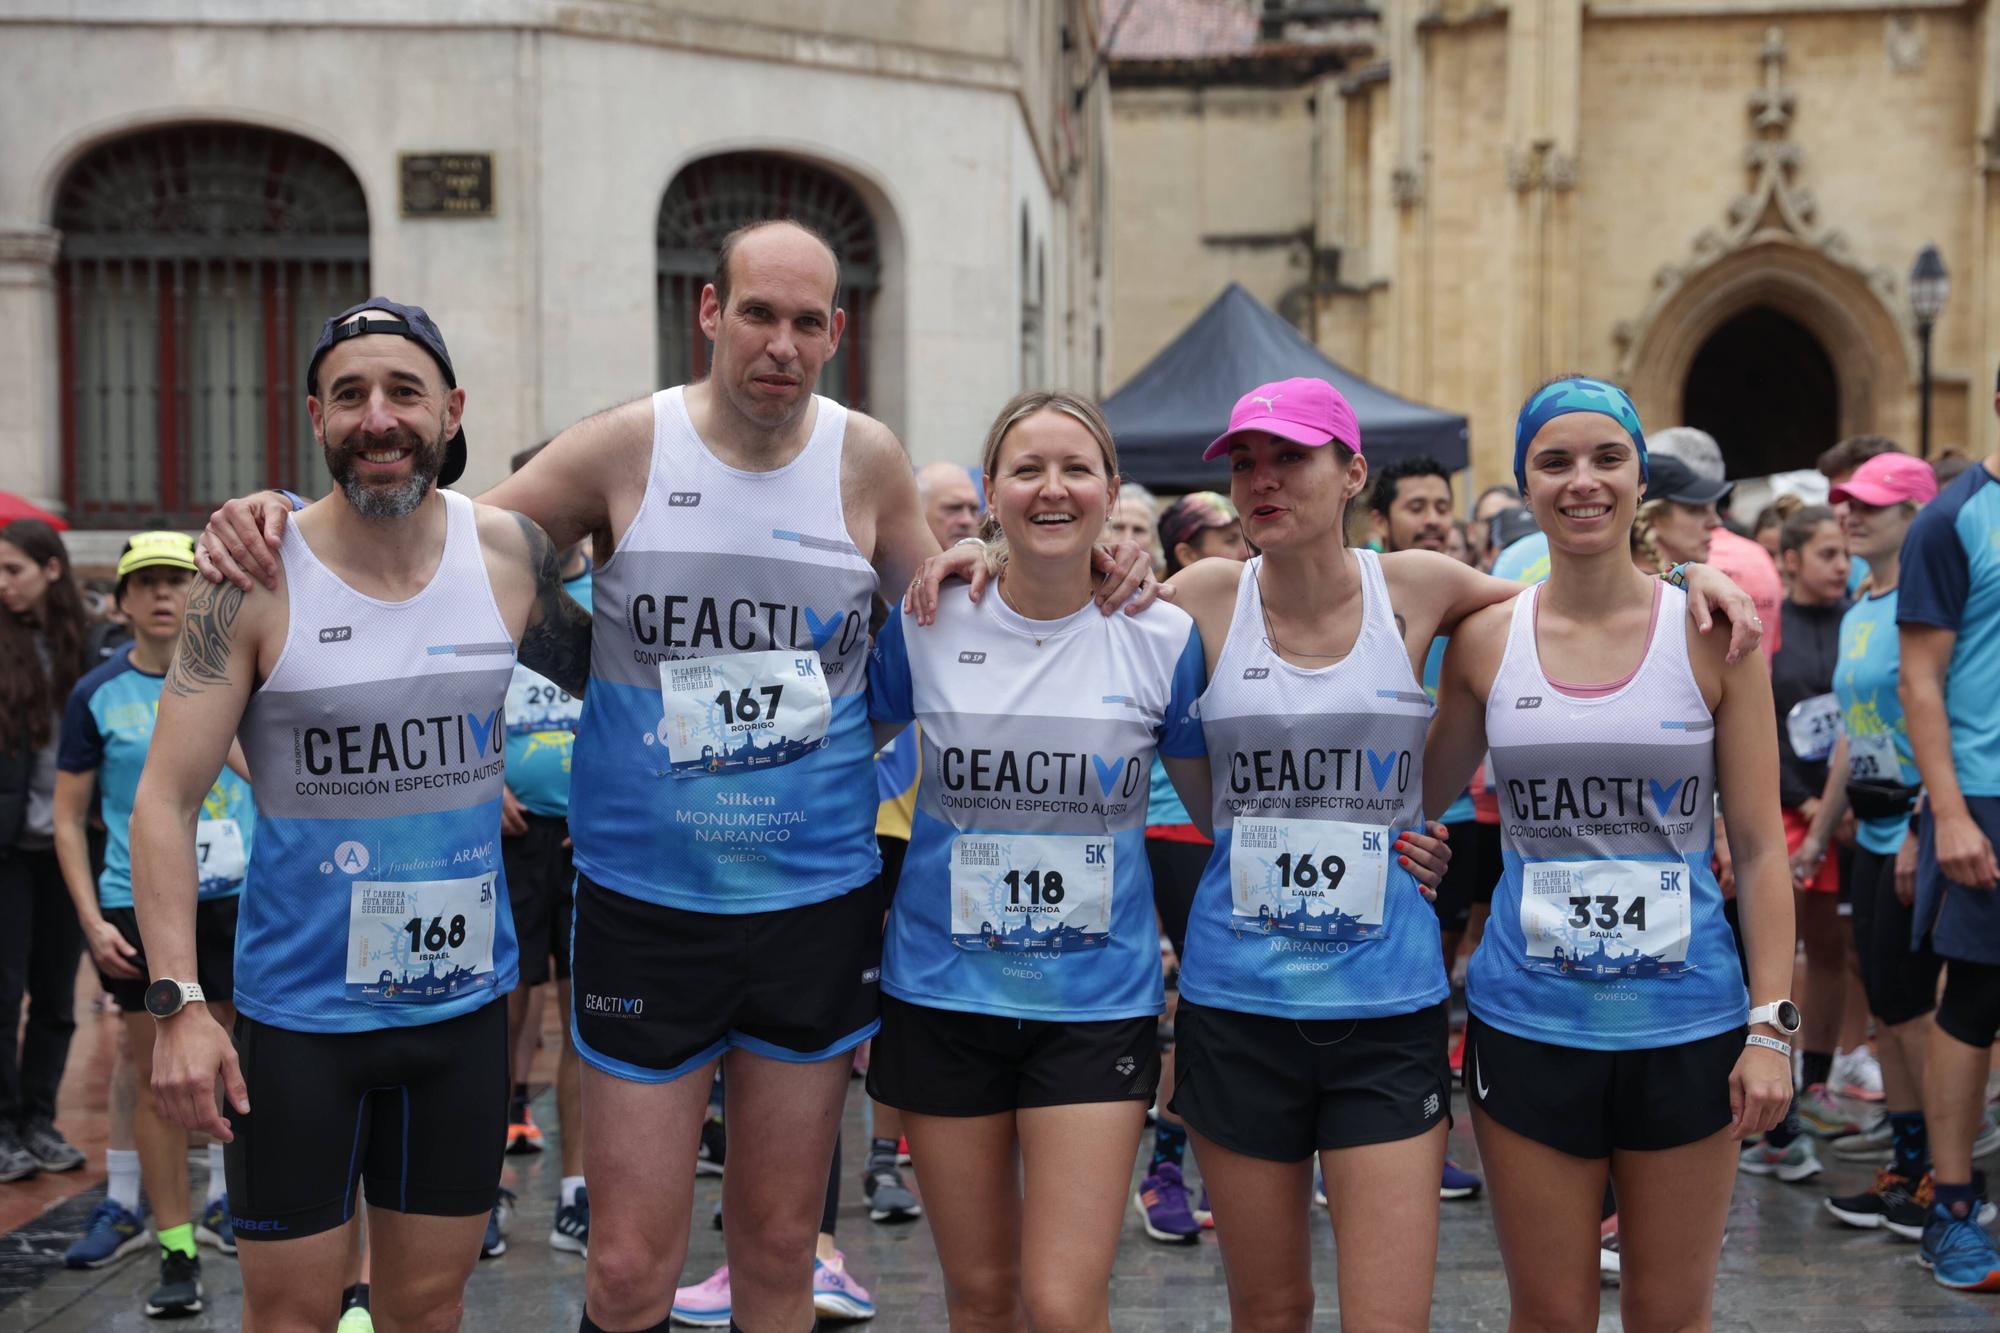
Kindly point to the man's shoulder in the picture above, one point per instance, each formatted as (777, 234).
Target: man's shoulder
(872, 444)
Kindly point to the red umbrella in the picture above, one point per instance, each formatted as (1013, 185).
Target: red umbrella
(13, 506)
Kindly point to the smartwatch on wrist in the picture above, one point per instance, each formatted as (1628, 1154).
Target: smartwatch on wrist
(167, 997)
(1780, 1014)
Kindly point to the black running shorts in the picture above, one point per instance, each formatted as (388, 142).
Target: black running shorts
(1283, 1089)
(1476, 866)
(1593, 1103)
(950, 1062)
(1900, 978)
(214, 954)
(419, 1114)
(539, 876)
(657, 992)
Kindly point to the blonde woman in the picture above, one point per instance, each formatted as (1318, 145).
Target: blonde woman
(1020, 971)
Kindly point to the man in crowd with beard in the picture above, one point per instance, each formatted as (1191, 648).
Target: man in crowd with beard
(374, 938)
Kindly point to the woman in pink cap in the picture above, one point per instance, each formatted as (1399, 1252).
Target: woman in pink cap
(1313, 994)
(1873, 772)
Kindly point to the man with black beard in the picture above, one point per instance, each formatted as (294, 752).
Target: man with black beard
(374, 938)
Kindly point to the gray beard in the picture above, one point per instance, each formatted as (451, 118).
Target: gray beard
(386, 502)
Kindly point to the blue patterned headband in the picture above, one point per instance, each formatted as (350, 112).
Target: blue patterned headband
(1576, 394)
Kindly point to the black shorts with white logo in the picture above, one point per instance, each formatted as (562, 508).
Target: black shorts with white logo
(214, 954)
(1593, 1103)
(539, 880)
(656, 992)
(1282, 1089)
(949, 1062)
(418, 1114)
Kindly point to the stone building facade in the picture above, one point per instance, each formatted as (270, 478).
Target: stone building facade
(188, 187)
(1716, 202)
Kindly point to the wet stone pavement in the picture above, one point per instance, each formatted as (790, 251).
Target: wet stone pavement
(1788, 1268)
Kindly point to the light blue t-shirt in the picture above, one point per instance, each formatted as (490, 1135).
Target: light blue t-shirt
(1526, 561)
(1864, 681)
(1026, 892)
(107, 728)
(541, 729)
(1951, 580)
(1163, 806)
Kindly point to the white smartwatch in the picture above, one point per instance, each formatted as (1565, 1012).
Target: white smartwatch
(167, 997)
(1780, 1014)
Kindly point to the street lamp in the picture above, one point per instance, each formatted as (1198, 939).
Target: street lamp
(1930, 288)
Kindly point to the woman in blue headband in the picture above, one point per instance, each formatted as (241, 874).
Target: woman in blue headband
(1611, 1034)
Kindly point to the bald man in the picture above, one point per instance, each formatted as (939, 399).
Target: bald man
(950, 501)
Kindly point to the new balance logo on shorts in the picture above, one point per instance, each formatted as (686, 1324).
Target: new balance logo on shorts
(1431, 1106)
(871, 975)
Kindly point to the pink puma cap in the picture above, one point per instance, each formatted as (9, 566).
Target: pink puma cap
(1304, 411)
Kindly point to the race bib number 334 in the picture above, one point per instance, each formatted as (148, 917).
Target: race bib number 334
(742, 712)
(1605, 920)
(420, 943)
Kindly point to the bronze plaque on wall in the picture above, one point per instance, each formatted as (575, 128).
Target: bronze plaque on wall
(447, 185)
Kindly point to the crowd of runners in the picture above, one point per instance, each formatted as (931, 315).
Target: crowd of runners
(1048, 808)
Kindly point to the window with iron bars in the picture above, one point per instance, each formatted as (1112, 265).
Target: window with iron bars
(198, 263)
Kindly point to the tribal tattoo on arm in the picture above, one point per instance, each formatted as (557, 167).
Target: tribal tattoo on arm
(208, 634)
(556, 642)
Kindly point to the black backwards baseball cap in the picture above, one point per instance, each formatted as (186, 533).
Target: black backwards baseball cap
(403, 321)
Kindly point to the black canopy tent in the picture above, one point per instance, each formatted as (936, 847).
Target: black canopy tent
(1166, 414)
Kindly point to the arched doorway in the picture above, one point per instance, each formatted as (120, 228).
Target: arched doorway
(714, 196)
(197, 264)
(1766, 389)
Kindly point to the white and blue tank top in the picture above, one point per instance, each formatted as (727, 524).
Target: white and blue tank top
(723, 761)
(377, 748)
(1607, 930)
(1026, 893)
(1303, 911)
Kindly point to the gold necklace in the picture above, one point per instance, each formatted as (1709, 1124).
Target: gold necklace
(1008, 602)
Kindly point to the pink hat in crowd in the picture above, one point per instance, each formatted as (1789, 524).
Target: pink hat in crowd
(1304, 411)
(1888, 479)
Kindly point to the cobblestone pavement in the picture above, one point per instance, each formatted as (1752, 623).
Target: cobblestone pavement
(1788, 1268)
